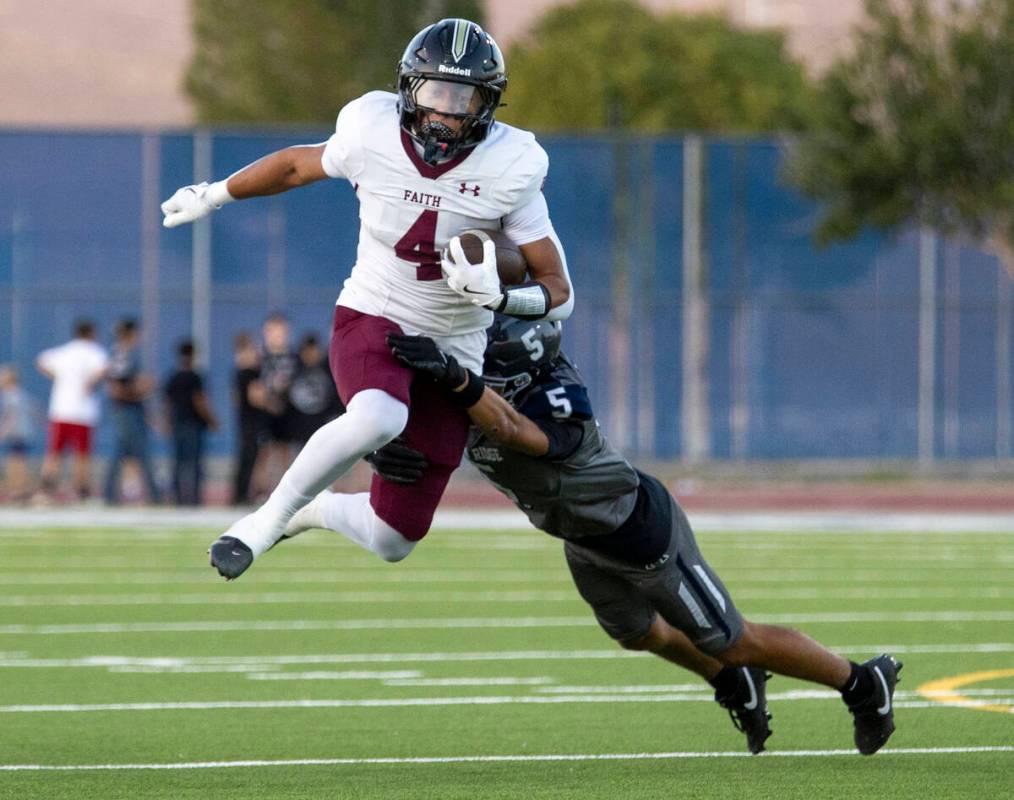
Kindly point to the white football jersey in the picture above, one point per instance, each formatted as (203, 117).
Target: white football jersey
(409, 210)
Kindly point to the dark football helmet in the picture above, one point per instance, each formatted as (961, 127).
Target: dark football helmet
(517, 350)
(453, 68)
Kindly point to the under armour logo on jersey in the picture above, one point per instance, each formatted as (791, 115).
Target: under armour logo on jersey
(466, 188)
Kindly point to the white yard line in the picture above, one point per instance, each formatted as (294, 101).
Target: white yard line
(409, 596)
(108, 567)
(510, 519)
(477, 700)
(207, 577)
(468, 623)
(395, 678)
(277, 598)
(230, 663)
(499, 759)
(341, 576)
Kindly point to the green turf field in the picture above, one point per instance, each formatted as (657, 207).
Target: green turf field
(473, 670)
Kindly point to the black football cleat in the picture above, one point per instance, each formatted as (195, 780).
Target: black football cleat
(748, 707)
(230, 557)
(874, 716)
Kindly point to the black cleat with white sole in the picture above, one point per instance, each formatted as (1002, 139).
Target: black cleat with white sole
(748, 707)
(230, 557)
(874, 716)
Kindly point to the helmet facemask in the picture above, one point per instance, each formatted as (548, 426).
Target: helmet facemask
(435, 105)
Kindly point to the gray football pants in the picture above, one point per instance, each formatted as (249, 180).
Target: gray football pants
(681, 587)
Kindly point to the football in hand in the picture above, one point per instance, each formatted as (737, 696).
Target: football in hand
(510, 263)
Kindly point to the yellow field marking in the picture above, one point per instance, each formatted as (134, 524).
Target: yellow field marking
(945, 690)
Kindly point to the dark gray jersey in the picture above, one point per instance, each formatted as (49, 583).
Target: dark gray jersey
(588, 490)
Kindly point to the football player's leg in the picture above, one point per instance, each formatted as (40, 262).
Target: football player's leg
(439, 431)
(375, 387)
(627, 615)
(691, 599)
(392, 517)
(353, 517)
(694, 599)
(616, 593)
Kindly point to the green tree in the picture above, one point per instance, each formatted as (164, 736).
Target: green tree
(917, 125)
(612, 63)
(301, 60)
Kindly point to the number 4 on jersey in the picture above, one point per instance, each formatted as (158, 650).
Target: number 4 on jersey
(418, 245)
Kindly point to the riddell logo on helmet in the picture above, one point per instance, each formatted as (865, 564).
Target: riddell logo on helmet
(454, 70)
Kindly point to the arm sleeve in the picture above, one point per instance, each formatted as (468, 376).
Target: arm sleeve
(565, 436)
(343, 153)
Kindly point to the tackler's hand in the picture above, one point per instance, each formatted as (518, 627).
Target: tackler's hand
(397, 462)
(422, 354)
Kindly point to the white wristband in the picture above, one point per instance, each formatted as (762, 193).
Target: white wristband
(218, 194)
(527, 301)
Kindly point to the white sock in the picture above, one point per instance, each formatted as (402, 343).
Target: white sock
(353, 517)
(372, 420)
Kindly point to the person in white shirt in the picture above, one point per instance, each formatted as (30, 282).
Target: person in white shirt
(76, 368)
(427, 164)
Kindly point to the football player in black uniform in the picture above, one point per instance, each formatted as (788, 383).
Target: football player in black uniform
(629, 546)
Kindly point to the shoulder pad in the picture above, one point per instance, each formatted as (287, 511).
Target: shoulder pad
(524, 169)
(376, 102)
(555, 399)
(365, 109)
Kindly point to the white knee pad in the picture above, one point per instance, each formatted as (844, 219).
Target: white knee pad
(378, 416)
(353, 517)
(388, 543)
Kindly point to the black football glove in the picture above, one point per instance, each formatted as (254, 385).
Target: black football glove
(422, 354)
(397, 462)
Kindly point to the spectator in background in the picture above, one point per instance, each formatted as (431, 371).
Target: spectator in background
(128, 388)
(190, 415)
(76, 369)
(312, 396)
(17, 430)
(278, 367)
(249, 397)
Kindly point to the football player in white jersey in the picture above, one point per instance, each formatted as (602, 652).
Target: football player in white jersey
(426, 163)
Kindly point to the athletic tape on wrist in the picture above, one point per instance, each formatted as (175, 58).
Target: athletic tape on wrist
(528, 301)
(473, 390)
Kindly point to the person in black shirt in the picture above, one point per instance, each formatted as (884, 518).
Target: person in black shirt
(190, 415)
(251, 420)
(128, 388)
(313, 399)
(278, 369)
